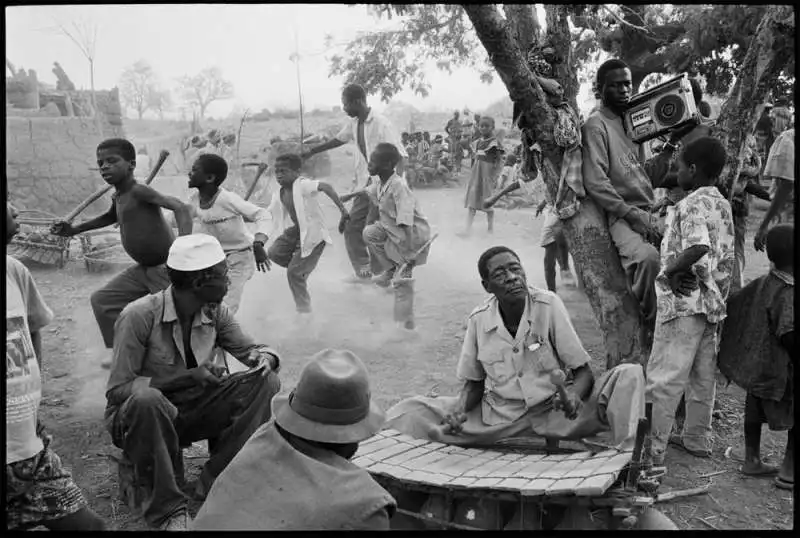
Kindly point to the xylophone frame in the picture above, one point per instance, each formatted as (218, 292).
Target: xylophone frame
(624, 501)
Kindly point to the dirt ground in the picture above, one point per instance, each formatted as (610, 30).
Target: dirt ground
(359, 318)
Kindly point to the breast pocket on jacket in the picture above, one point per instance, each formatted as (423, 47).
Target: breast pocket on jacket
(498, 369)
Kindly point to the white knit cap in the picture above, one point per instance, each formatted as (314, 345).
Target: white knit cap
(194, 252)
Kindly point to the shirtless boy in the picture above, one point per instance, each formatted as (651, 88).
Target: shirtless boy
(145, 234)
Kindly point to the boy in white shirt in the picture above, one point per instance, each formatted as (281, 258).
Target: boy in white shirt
(39, 490)
(297, 216)
(222, 214)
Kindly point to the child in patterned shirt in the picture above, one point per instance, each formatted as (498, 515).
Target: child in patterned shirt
(696, 269)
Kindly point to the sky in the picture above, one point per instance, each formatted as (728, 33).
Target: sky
(252, 45)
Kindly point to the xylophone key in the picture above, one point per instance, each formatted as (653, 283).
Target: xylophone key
(595, 485)
(536, 487)
(564, 486)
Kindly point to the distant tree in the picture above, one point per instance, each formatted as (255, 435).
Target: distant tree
(204, 88)
(138, 86)
(160, 100)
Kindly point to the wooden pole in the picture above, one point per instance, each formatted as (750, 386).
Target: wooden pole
(299, 88)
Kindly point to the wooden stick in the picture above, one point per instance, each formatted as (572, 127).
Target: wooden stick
(100, 192)
(708, 523)
(261, 169)
(709, 475)
(414, 256)
(668, 496)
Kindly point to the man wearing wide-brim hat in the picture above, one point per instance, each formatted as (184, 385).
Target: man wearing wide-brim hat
(295, 473)
(168, 388)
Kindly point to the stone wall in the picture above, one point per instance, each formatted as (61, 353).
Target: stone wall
(49, 161)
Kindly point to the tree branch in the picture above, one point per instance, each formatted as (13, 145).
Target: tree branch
(508, 61)
(525, 25)
(624, 22)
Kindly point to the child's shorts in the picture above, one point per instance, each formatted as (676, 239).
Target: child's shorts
(551, 229)
(40, 489)
(778, 415)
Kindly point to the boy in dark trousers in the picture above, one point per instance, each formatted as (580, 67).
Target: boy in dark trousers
(144, 231)
(297, 216)
(757, 352)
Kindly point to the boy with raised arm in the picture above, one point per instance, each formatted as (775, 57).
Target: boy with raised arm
(144, 231)
(297, 216)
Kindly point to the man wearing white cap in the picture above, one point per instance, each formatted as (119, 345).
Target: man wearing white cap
(294, 473)
(167, 386)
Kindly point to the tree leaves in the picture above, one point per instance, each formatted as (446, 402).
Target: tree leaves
(385, 62)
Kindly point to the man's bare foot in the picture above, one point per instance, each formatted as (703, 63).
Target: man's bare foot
(757, 468)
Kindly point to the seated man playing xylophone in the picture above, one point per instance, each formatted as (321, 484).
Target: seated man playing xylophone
(514, 344)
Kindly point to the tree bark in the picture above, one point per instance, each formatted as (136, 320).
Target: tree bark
(596, 259)
(770, 50)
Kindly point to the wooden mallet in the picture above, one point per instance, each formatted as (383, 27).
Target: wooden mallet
(559, 379)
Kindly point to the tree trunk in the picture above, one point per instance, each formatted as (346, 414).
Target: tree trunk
(202, 111)
(770, 50)
(559, 36)
(597, 261)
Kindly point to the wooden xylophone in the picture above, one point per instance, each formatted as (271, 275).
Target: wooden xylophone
(404, 459)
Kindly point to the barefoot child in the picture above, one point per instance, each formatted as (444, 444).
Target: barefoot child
(696, 270)
(222, 214)
(39, 490)
(485, 169)
(552, 235)
(144, 232)
(756, 353)
(297, 215)
(401, 229)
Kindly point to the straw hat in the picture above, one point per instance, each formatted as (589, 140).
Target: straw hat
(331, 402)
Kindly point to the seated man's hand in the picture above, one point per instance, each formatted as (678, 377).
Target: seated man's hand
(683, 284)
(453, 423)
(261, 357)
(571, 406)
(207, 374)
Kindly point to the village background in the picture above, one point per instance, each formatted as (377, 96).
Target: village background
(52, 128)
